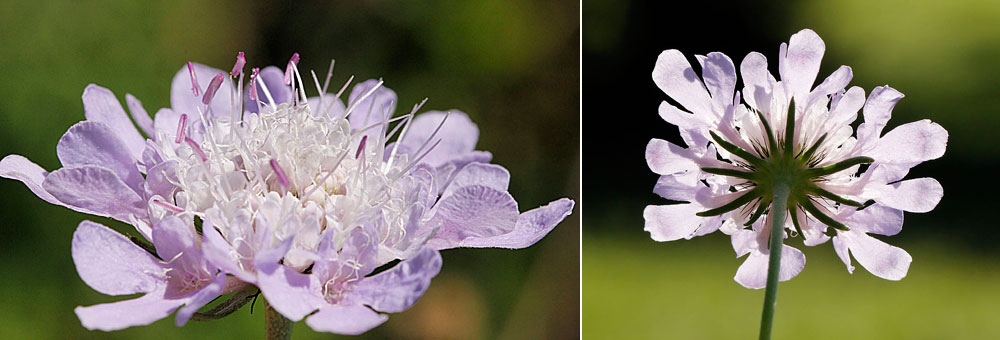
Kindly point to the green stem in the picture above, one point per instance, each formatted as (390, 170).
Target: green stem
(778, 210)
(276, 326)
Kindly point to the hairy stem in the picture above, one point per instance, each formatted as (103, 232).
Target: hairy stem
(277, 326)
(778, 210)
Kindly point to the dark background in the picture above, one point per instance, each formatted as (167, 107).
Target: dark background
(513, 66)
(941, 56)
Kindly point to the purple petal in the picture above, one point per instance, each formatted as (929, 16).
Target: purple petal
(672, 222)
(398, 288)
(879, 258)
(200, 298)
(139, 114)
(753, 273)
(175, 240)
(877, 219)
(111, 264)
(349, 320)
(273, 78)
(160, 180)
(182, 100)
(92, 143)
(675, 77)
(19, 168)
(847, 105)
(799, 64)
(836, 82)
(123, 314)
(682, 119)
(458, 136)
(912, 143)
(720, 78)
(531, 227)
(218, 252)
(915, 195)
(840, 247)
(165, 122)
(666, 158)
(95, 190)
(377, 107)
(878, 110)
(756, 79)
(489, 175)
(474, 211)
(100, 105)
(291, 293)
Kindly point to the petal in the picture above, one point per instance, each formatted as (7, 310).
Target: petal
(840, 247)
(291, 293)
(683, 186)
(200, 298)
(879, 258)
(160, 180)
(139, 114)
(95, 190)
(720, 78)
(682, 119)
(753, 273)
(836, 82)
(111, 264)
(274, 80)
(877, 219)
(914, 195)
(799, 64)
(474, 211)
(19, 168)
(912, 143)
(398, 288)
(489, 175)
(667, 158)
(378, 106)
(165, 122)
(221, 254)
(757, 80)
(182, 100)
(672, 222)
(878, 110)
(174, 240)
(349, 320)
(100, 105)
(458, 136)
(531, 227)
(847, 105)
(92, 143)
(675, 77)
(123, 314)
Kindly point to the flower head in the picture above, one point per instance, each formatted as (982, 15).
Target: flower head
(302, 197)
(842, 183)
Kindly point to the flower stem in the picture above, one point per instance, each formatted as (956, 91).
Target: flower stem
(778, 210)
(276, 326)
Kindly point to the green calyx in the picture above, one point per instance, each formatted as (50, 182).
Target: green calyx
(778, 162)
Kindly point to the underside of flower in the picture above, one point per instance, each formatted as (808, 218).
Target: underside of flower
(781, 159)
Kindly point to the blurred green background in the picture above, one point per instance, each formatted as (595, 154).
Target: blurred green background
(942, 55)
(513, 65)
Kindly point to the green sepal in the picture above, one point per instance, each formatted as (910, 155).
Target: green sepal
(771, 141)
(829, 221)
(736, 203)
(761, 206)
(790, 128)
(838, 167)
(815, 189)
(733, 149)
(809, 153)
(730, 172)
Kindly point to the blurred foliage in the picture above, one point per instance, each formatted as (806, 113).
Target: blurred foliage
(512, 65)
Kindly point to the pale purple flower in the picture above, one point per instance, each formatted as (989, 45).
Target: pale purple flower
(847, 184)
(293, 192)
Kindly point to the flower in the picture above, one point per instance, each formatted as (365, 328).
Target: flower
(844, 184)
(303, 198)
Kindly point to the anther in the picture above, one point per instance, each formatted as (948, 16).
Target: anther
(253, 83)
(194, 80)
(197, 149)
(213, 86)
(168, 206)
(280, 173)
(238, 67)
(361, 146)
(181, 125)
(288, 68)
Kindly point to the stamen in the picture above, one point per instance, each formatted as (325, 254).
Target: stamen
(288, 68)
(181, 125)
(253, 84)
(361, 146)
(168, 206)
(197, 149)
(238, 67)
(280, 173)
(213, 87)
(194, 80)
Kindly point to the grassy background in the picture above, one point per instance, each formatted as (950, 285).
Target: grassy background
(513, 66)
